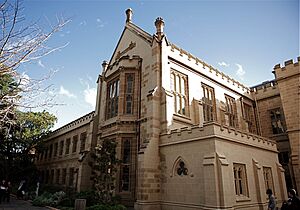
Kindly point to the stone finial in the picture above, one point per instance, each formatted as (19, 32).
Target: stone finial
(104, 66)
(159, 24)
(128, 15)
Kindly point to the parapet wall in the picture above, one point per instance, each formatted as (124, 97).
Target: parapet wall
(72, 125)
(265, 90)
(288, 69)
(216, 130)
(214, 73)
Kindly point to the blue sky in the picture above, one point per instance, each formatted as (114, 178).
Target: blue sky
(244, 39)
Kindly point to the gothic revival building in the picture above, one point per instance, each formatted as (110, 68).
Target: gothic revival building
(188, 135)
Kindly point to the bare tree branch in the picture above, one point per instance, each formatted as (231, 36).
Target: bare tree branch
(20, 44)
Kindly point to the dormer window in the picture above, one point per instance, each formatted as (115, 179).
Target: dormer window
(112, 98)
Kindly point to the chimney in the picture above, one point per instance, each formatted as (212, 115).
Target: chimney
(128, 15)
(159, 24)
(104, 66)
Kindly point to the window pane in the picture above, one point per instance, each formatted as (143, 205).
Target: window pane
(172, 81)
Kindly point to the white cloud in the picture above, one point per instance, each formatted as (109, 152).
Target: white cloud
(24, 80)
(240, 72)
(100, 24)
(90, 95)
(41, 64)
(82, 23)
(65, 92)
(223, 64)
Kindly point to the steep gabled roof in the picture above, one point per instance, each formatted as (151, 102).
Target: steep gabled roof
(135, 30)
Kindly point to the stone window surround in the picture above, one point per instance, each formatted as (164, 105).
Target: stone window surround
(268, 178)
(207, 103)
(231, 110)
(179, 92)
(240, 181)
(112, 96)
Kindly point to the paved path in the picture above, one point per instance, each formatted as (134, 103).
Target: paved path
(15, 204)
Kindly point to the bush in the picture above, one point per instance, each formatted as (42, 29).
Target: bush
(48, 199)
(106, 207)
(90, 197)
(67, 202)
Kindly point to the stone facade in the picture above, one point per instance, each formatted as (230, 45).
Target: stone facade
(189, 136)
(64, 162)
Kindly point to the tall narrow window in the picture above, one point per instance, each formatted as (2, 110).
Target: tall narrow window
(52, 176)
(61, 149)
(179, 86)
(50, 151)
(268, 178)
(231, 110)
(240, 179)
(47, 177)
(247, 113)
(112, 98)
(125, 166)
(57, 176)
(68, 142)
(46, 154)
(82, 141)
(276, 121)
(64, 176)
(71, 177)
(209, 103)
(74, 146)
(55, 149)
(129, 93)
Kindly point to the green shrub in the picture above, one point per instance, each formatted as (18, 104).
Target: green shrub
(106, 207)
(67, 202)
(48, 199)
(90, 197)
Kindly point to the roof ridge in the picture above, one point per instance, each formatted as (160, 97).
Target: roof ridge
(139, 31)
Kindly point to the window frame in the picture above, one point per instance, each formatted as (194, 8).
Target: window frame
(180, 93)
(67, 148)
(129, 94)
(276, 120)
(240, 182)
(112, 97)
(83, 138)
(231, 110)
(126, 163)
(74, 143)
(209, 109)
(269, 181)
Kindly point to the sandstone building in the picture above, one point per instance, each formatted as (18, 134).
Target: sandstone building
(188, 136)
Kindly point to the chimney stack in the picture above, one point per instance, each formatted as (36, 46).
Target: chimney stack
(159, 24)
(128, 15)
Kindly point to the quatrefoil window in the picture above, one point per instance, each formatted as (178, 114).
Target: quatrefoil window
(181, 169)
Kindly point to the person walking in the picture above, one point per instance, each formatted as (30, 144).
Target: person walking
(8, 191)
(272, 201)
(21, 189)
(2, 190)
(294, 201)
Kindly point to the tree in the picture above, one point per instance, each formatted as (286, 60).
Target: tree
(21, 43)
(19, 141)
(104, 170)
